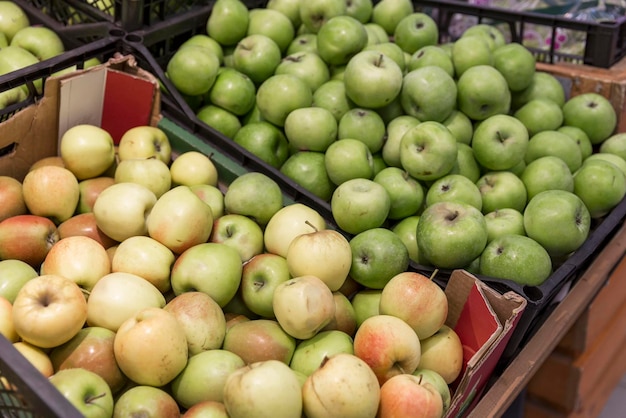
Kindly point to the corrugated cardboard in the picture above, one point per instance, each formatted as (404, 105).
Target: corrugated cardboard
(116, 95)
(484, 320)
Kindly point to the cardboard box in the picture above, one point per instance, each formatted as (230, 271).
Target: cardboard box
(116, 95)
(485, 321)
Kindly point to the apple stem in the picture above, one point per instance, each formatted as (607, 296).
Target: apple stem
(311, 225)
(324, 361)
(434, 273)
(90, 399)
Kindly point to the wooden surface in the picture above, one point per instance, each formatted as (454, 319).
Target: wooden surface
(517, 375)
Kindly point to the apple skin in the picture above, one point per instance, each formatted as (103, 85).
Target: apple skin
(192, 168)
(294, 93)
(259, 340)
(415, 31)
(88, 392)
(366, 304)
(204, 377)
(454, 187)
(388, 13)
(406, 193)
(265, 140)
(615, 144)
(254, 194)
(315, 14)
(193, 69)
(417, 300)
(228, 22)
(601, 185)
(406, 394)
(500, 142)
(11, 198)
(7, 330)
(593, 113)
(332, 96)
(428, 151)
(150, 347)
(502, 189)
(554, 143)
(438, 382)
(49, 310)
(256, 56)
(151, 172)
(360, 204)
(339, 39)
(483, 92)
(82, 140)
(287, 223)
(89, 191)
(240, 232)
(308, 169)
(540, 115)
(219, 119)
(206, 409)
(504, 221)
(212, 196)
(428, 94)
(405, 229)
(145, 142)
(141, 399)
(92, 349)
(549, 172)
(311, 128)
(348, 158)
(14, 19)
(201, 318)
(259, 278)
(543, 85)
(443, 352)
(344, 386)
(27, 238)
(37, 356)
(84, 224)
(396, 128)
(345, 315)
(311, 353)
(58, 206)
(471, 51)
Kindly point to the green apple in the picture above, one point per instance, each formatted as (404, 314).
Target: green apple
(495, 37)
(601, 185)
(593, 113)
(615, 159)
(273, 24)
(483, 92)
(396, 128)
(213, 268)
(143, 399)
(361, 10)
(308, 169)
(228, 21)
(365, 125)
(204, 40)
(500, 142)
(502, 189)
(280, 94)
(13, 58)
(580, 137)
(375, 33)
(265, 140)
(223, 121)
(256, 56)
(454, 188)
(517, 258)
(471, 51)
(290, 221)
(407, 194)
(332, 96)
(193, 69)
(315, 13)
(41, 41)
(372, 79)
(290, 8)
(304, 42)
(466, 164)
(85, 140)
(558, 220)
(310, 354)
(388, 13)
(505, 221)
(438, 382)
(415, 31)
(378, 254)
(428, 151)
(233, 91)
(405, 229)
(145, 142)
(540, 115)
(339, 39)
(191, 168)
(516, 63)
(360, 204)
(348, 159)
(431, 55)
(429, 94)
(87, 391)
(150, 172)
(365, 303)
(239, 232)
(14, 18)
(547, 173)
(554, 143)
(615, 144)
(311, 129)
(543, 86)
(255, 195)
(392, 50)
(307, 65)
(451, 234)
(260, 276)
(13, 275)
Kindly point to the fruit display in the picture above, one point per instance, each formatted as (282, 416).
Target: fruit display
(178, 289)
(363, 107)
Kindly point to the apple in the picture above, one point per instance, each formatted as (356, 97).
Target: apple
(415, 31)
(483, 92)
(417, 300)
(13, 58)
(265, 140)
(451, 234)
(343, 386)
(308, 169)
(87, 140)
(150, 172)
(204, 377)
(428, 151)
(11, 198)
(259, 340)
(593, 113)
(372, 79)
(233, 91)
(290, 8)
(391, 49)
(365, 125)
(150, 347)
(543, 85)
(80, 259)
(51, 160)
(201, 319)
(340, 38)
(250, 391)
(88, 392)
(348, 158)
(396, 128)
(361, 10)
(212, 196)
(60, 205)
(406, 194)
(259, 278)
(308, 65)
(192, 168)
(325, 254)
(612, 158)
(193, 69)
(144, 142)
(145, 257)
(273, 24)
(84, 224)
(35, 356)
(554, 143)
(219, 119)
(89, 190)
(442, 352)
(287, 223)
(615, 144)
(493, 34)
(470, 51)
(540, 115)
(257, 56)
(302, 42)
(366, 304)
(254, 194)
(549, 172)
(240, 232)
(405, 229)
(27, 238)
(438, 382)
(311, 129)
(280, 94)
(49, 310)
(360, 204)
(117, 297)
(601, 185)
(505, 221)
(345, 316)
(205, 41)
(303, 305)
(454, 187)
(502, 189)
(429, 94)
(332, 96)
(500, 142)
(142, 399)
(311, 353)
(14, 18)
(388, 345)
(121, 209)
(7, 330)
(461, 127)
(228, 21)
(376, 34)
(388, 13)
(91, 349)
(206, 409)
(431, 55)
(408, 395)
(314, 14)
(558, 220)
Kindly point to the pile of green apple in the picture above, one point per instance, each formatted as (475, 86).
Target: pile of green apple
(139, 283)
(472, 156)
